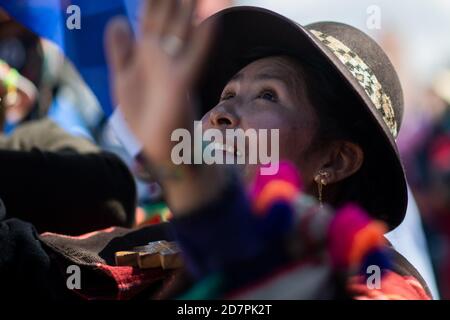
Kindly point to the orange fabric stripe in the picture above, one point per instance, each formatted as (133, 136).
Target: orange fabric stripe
(272, 191)
(369, 237)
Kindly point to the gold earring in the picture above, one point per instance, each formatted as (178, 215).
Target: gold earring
(321, 180)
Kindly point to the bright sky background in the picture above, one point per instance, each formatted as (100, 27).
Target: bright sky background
(423, 25)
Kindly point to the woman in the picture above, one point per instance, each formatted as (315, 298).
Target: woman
(328, 88)
(315, 79)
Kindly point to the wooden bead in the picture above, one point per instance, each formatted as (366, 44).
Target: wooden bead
(158, 254)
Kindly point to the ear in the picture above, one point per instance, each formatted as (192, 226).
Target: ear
(344, 159)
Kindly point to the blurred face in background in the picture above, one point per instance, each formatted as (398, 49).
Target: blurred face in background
(19, 49)
(3, 16)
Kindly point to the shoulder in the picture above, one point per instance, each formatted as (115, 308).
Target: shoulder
(401, 282)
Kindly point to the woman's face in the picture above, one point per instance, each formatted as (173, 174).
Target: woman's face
(270, 93)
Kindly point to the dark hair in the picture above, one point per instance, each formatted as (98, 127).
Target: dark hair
(341, 116)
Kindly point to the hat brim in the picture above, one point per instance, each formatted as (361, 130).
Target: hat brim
(242, 29)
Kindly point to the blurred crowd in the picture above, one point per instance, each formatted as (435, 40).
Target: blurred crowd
(425, 148)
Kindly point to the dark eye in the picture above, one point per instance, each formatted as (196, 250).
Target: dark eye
(227, 95)
(268, 95)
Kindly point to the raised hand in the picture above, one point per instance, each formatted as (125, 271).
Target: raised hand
(152, 75)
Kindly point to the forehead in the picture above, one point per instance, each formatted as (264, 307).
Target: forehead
(278, 67)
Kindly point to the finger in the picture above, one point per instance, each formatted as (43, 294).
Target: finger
(158, 16)
(184, 20)
(198, 49)
(119, 43)
(148, 18)
(155, 15)
(167, 16)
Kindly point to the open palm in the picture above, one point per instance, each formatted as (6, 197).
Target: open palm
(153, 74)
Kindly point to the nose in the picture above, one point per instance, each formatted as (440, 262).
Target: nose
(220, 118)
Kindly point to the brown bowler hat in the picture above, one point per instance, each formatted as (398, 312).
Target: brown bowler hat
(357, 59)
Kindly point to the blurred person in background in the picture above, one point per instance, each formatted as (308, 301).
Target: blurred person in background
(59, 182)
(409, 237)
(63, 101)
(430, 175)
(21, 50)
(425, 117)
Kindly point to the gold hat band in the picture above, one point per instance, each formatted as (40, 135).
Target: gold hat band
(365, 76)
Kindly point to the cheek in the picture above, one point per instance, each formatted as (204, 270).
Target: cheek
(294, 134)
(294, 142)
(294, 137)
(266, 116)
